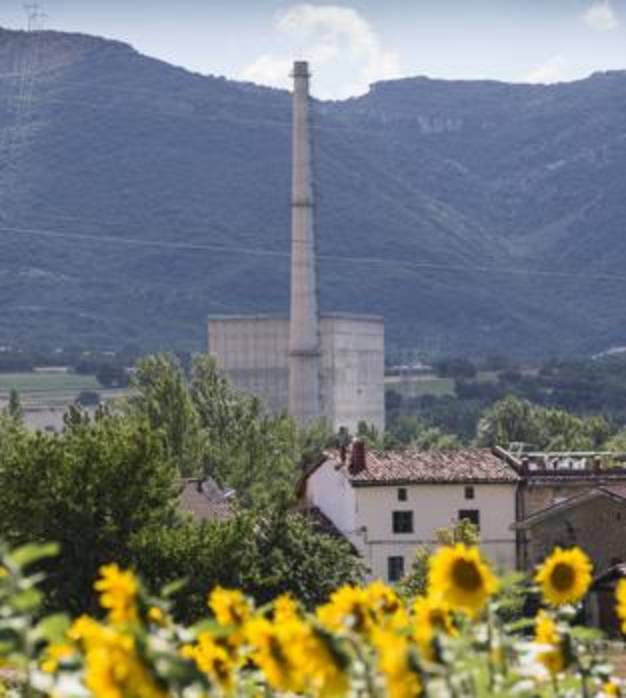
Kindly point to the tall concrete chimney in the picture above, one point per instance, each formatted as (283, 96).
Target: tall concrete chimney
(304, 326)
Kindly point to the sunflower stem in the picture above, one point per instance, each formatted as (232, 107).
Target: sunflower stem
(490, 662)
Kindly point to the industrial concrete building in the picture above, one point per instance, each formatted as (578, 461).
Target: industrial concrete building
(254, 352)
(312, 365)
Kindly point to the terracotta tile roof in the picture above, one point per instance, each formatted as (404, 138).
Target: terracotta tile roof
(204, 500)
(458, 465)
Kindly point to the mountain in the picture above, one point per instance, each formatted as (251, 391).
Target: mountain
(136, 198)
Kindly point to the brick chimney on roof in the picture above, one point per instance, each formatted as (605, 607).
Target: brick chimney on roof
(357, 457)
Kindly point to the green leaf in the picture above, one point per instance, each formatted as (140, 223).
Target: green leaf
(28, 554)
(173, 588)
(53, 628)
(205, 626)
(27, 600)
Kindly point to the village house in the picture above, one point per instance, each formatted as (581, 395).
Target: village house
(552, 477)
(389, 504)
(561, 500)
(593, 520)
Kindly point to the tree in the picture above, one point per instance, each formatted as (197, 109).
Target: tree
(513, 419)
(312, 440)
(410, 430)
(508, 420)
(88, 398)
(264, 554)
(617, 443)
(14, 408)
(374, 439)
(89, 489)
(163, 399)
(247, 450)
(291, 555)
(198, 555)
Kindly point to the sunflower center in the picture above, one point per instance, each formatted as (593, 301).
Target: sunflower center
(562, 576)
(438, 619)
(466, 576)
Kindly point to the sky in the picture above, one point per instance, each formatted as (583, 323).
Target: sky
(352, 44)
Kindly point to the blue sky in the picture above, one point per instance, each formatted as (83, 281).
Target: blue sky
(351, 44)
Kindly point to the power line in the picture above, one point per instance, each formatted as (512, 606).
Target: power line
(261, 252)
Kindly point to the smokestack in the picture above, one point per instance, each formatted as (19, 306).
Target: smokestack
(304, 329)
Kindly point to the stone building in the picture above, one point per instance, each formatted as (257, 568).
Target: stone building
(549, 478)
(594, 520)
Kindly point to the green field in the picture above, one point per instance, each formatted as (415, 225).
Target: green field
(421, 385)
(430, 384)
(46, 383)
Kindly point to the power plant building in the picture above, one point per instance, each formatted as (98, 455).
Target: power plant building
(310, 364)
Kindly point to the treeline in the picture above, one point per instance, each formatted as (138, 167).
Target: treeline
(584, 389)
(107, 489)
(509, 420)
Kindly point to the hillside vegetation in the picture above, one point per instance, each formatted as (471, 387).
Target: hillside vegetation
(436, 199)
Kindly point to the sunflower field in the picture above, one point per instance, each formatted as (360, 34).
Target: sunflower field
(367, 642)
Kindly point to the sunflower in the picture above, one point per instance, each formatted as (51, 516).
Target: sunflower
(269, 644)
(564, 577)
(432, 616)
(229, 606)
(395, 665)
(620, 595)
(348, 608)
(611, 688)
(460, 577)
(213, 657)
(546, 634)
(118, 591)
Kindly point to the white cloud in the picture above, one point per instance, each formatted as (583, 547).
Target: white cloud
(553, 70)
(601, 16)
(345, 53)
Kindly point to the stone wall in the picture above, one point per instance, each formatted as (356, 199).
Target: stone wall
(598, 526)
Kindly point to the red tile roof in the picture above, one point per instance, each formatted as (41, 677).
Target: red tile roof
(408, 466)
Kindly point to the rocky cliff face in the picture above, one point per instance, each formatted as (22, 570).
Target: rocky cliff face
(136, 198)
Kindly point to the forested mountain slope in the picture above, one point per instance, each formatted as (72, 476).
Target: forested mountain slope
(122, 177)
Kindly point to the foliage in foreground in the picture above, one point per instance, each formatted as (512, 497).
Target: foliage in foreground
(366, 642)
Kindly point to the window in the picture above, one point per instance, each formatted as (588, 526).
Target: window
(472, 515)
(402, 494)
(395, 568)
(402, 522)
(469, 492)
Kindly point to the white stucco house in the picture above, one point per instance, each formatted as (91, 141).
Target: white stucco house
(388, 504)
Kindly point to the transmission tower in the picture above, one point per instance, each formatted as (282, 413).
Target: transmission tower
(35, 17)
